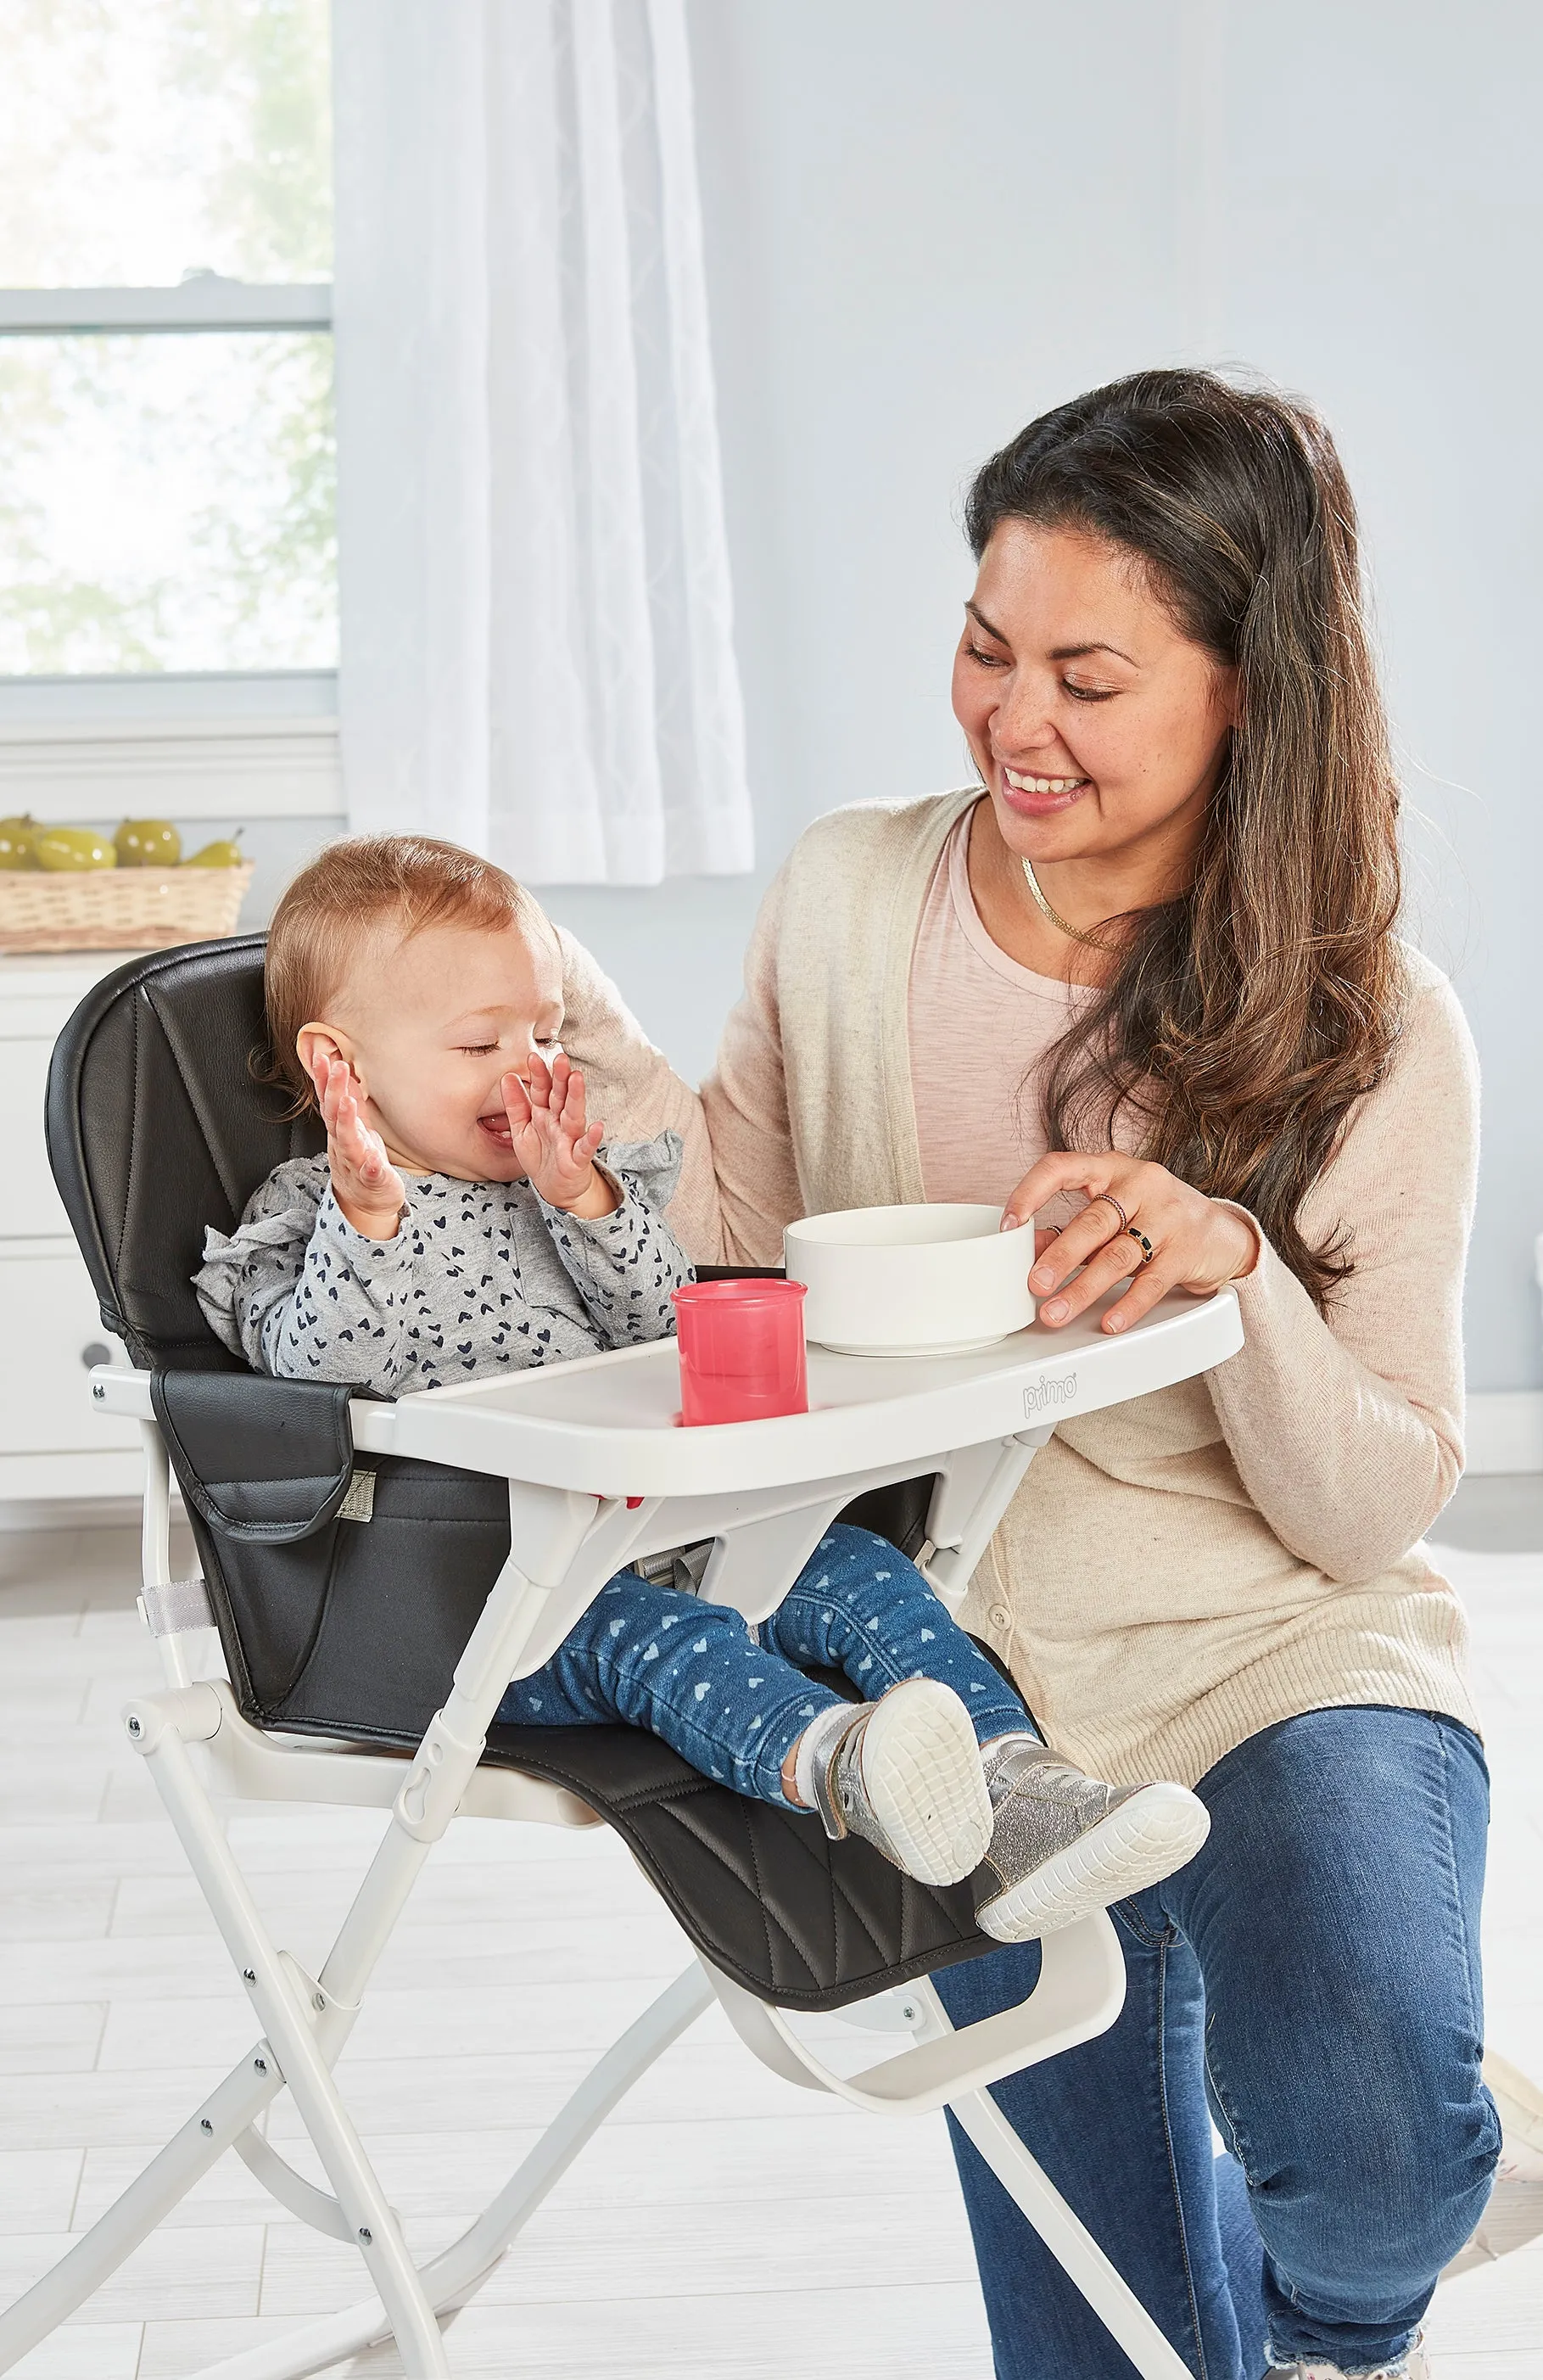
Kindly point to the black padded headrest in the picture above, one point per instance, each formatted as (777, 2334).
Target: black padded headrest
(156, 1127)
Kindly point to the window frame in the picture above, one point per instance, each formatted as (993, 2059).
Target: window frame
(246, 722)
(204, 302)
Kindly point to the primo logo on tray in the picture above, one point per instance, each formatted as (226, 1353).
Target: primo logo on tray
(1045, 1393)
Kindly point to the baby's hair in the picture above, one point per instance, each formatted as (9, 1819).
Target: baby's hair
(410, 880)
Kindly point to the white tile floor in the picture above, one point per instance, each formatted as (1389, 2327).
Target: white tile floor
(722, 2224)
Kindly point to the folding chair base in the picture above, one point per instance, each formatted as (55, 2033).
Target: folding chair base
(451, 2279)
(307, 2021)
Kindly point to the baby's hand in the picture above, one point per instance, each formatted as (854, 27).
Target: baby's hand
(552, 1141)
(366, 1184)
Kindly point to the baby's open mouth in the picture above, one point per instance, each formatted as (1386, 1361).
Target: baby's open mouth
(496, 1126)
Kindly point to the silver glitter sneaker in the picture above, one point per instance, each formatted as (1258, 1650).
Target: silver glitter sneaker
(905, 1773)
(1061, 1843)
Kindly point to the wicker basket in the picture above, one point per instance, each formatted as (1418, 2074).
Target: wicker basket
(118, 908)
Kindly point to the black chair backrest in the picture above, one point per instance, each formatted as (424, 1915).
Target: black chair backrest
(156, 1127)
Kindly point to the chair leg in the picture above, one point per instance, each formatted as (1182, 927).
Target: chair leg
(1079, 1993)
(165, 2182)
(158, 1724)
(460, 2271)
(457, 2273)
(307, 2023)
(303, 2041)
(1069, 2241)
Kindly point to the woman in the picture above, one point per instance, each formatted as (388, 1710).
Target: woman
(1142, 981)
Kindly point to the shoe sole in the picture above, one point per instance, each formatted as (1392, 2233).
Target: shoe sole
(924, 1783)
(1145, 1840)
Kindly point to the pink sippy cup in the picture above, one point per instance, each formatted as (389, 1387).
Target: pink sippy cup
(741, 1350)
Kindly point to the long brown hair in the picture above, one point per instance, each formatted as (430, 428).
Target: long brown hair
(1244, 1019)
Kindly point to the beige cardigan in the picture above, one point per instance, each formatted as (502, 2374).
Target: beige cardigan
(1178, 1572)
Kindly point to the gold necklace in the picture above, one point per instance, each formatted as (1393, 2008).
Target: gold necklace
(1073, 933)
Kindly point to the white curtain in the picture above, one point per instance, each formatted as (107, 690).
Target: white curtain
(537, 649)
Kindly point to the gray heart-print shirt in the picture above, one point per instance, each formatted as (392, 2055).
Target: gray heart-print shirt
(481, 1276)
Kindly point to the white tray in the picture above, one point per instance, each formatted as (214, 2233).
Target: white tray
(601, 1474)
(606, 1424)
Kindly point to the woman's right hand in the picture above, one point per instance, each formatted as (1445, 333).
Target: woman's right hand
(366, 1184)
(1186, 1239)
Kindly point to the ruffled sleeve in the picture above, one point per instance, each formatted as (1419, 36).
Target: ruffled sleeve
(650, 1169)
(302, 1295)
(258, 1266)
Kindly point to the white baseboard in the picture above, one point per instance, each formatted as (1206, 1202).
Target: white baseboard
(29, 1513)
(87, 1512)
(1505, 1430)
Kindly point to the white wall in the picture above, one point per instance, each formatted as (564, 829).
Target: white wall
(885, 311)
(927, 221)
(1379, 246)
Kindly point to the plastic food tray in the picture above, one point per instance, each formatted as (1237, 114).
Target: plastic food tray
(608, 1425)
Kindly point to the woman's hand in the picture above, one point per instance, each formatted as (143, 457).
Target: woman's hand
(365, 1183)
(552, 1142)
(1198, 1242)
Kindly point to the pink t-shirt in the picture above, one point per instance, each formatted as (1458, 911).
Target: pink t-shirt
(980, 1027)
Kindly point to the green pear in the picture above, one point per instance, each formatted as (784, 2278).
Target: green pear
(19, 838)
(226, 853)
(147, 842)
(72, 849)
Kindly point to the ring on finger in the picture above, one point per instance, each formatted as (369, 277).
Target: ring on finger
(1109, 1199)
(1142, 1242)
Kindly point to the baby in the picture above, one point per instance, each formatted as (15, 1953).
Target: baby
(468, 1216)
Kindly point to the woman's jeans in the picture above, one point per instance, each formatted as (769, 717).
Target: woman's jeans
(1311, 1978)
(734, 1700)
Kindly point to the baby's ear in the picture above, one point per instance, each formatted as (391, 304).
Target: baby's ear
(316, 1045)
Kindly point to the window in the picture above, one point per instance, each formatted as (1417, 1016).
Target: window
(165, 354)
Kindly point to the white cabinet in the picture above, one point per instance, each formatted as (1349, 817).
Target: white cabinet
(28, 1202)
(53, 1442)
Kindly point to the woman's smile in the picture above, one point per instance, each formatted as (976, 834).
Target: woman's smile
(1040, 796)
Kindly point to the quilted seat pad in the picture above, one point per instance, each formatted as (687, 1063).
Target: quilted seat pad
(759, 1891)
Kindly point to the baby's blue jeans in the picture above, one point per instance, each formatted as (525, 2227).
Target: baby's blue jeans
(734, 1700)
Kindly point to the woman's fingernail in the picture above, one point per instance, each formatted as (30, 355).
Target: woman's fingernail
(1055, 1311)
(1010, 1223)
(1114, 1322)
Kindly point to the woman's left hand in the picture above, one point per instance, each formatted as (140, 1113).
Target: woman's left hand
(1197, 1244)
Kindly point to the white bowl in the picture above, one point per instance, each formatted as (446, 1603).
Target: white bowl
(911, 1281)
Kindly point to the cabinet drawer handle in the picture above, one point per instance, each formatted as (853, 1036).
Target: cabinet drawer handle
(95, 1353)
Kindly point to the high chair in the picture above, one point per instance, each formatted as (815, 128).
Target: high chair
(378, 1571)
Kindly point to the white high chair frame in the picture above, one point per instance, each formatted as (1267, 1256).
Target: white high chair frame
(598, 1475)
